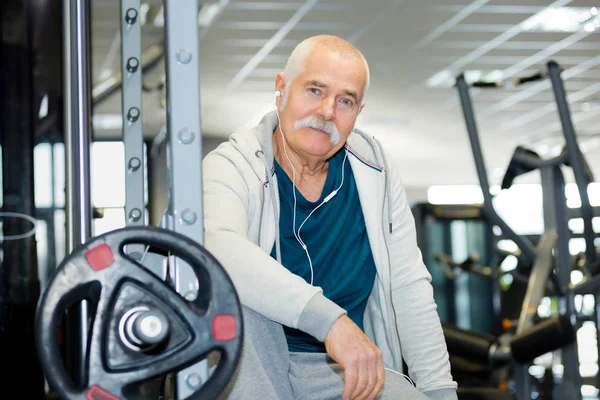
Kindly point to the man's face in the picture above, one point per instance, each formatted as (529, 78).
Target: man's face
(322, 103)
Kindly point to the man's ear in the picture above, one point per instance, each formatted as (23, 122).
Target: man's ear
(279, 87)
(361, 108)
(280, 82)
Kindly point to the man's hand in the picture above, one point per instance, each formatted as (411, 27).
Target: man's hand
(359, 358)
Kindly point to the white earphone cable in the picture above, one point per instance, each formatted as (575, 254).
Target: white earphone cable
(400, 373)
(329, 197)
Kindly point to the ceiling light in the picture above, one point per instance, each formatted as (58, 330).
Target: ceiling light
(562, 19)
(445, 79)
(493, 76)
(210, 11)
(592, 105)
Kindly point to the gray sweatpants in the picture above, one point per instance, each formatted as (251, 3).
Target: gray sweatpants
(268, 371)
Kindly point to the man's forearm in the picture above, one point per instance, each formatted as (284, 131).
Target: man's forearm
(319, 315)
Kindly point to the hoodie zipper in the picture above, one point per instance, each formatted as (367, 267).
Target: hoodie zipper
(261, 155)
(387, 230)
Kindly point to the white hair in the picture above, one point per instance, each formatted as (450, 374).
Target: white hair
(296, 63)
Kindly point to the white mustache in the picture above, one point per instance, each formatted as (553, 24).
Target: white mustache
(317, 123)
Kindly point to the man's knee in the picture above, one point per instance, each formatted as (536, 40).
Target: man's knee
(262, 372)
(259, 330)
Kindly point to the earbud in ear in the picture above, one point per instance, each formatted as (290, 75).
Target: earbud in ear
(277, 93)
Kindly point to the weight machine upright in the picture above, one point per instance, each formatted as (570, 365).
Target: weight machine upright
(78, 137)
(184, 147)
(555, 220)
(131, 104)
(587, 213)
(184, 151)
(527, 249)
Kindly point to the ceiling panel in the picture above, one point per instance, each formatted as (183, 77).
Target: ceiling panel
(407, 44)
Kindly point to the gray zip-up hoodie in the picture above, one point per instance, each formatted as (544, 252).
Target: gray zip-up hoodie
(241, 206)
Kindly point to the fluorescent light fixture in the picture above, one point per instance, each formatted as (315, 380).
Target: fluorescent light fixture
(590, 105)
(210, 11)
(473, 75)
(588, 143)
(493, 76)
(107, 121)
(445, 79)
(563, 19)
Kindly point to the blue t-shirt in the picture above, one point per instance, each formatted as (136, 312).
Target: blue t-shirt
(337, 241)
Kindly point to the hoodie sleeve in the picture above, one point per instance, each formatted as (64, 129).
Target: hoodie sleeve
(263, 284)
(421, 336)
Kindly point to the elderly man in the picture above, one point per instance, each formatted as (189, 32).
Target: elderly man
(311, 221)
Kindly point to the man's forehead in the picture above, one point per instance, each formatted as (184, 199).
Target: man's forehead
(330, 69)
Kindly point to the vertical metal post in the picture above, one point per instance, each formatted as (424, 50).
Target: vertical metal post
(50, 218)
(556, 218)
(467, 108)
(527, 249)
(576, 160)
(77, 156)
(184, 164)
(183, 117)
(131, 96)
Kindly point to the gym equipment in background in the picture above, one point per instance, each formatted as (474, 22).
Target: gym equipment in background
(551, 259)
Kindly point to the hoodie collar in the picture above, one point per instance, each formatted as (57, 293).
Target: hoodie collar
(365, 148)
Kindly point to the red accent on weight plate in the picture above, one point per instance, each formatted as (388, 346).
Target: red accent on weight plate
(100, 257)
(97, 393)
(224, 327)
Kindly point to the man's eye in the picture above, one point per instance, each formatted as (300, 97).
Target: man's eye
(347, 102)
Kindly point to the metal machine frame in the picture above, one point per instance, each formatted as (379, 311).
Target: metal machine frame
(185, 213)
(551, 260)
